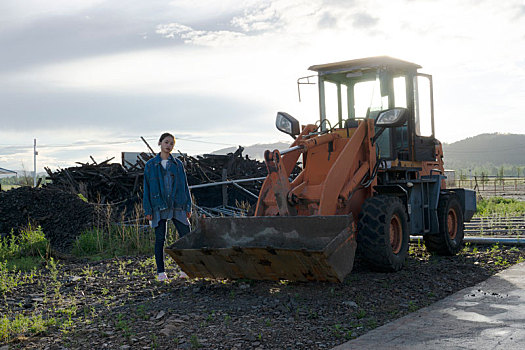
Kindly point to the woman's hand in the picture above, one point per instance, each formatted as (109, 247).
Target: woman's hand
(188, 214)
(149, 217)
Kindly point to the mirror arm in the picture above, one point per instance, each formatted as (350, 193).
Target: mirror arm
(376, 136)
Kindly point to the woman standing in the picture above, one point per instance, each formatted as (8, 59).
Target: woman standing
(166, 196)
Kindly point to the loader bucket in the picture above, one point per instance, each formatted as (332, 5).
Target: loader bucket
(298, 248)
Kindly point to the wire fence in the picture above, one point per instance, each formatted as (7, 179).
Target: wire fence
(496, 225)
(511, 187)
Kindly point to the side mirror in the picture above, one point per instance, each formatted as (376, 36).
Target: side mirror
(392, 118)
(287, 124)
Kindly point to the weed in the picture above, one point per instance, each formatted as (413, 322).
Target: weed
(500, 261)
(372, 324)
(67, 324)
(141, 312)
(336, 330)
(8, 280)
(267, 322)
(361, 314)
(312, 315)
(339, 331)
(211, 315)
(154, 341)
(88, 271)
(108, 240)
(22, 324)
(52, 267)
(194, 341)
(501, 206)
(122, 325)
(393, 312)
(227, 319)
(25, 250)
(412, 306)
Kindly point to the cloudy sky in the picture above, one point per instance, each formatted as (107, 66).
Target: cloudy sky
(89, 77)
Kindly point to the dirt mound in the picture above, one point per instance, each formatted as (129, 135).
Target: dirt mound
(62, 216)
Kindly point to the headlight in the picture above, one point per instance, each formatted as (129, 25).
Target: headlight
(287, 124)
(392, 117)
(283, 124)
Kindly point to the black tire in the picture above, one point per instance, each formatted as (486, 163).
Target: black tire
(380, 216)
(449, 240)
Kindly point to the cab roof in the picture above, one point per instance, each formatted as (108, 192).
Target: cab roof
(365, 64)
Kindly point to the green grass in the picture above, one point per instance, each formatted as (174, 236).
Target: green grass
(25, 257)
(113, 240)
(8, 279)
(500, 206)
(9, 187)
(24, 251)
(21, 324)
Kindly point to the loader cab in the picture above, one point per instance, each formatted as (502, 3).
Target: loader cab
(359, 89)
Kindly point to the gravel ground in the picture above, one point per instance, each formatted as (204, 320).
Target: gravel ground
(117, 304)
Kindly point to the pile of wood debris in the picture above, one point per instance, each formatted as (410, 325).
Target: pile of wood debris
(122, 186)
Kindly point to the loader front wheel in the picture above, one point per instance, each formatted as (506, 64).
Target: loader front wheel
(449, 239)
(382, 237)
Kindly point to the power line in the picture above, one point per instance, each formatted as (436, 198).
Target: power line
(112, 143)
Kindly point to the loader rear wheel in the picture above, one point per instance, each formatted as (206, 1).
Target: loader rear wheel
(382, 238)
(449, 240)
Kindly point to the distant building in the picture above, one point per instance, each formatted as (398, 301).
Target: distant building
(130, 158)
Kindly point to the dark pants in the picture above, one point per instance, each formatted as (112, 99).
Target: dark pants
(160, 237)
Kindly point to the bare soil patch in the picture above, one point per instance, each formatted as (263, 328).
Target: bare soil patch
(117, 304)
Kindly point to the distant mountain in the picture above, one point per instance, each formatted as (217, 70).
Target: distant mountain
(256, 151)
(485, 152)
(485, 149)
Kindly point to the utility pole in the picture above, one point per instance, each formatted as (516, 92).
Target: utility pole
(35, 153)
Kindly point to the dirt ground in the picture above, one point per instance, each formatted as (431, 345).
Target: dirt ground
(117, 304)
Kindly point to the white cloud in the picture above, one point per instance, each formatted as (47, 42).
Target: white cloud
(262, 18)
(252, 52)
(219, 38)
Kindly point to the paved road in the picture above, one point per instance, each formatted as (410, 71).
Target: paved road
(490, 315)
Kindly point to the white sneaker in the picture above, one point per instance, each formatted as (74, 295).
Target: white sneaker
(162, 276)
(183, 274)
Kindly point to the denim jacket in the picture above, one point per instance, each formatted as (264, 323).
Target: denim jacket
(153, 185)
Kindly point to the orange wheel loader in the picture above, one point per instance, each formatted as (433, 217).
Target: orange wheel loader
(372, 175)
